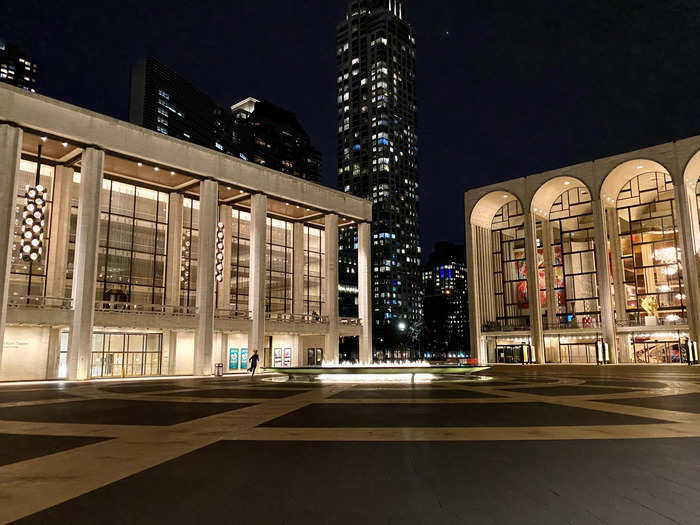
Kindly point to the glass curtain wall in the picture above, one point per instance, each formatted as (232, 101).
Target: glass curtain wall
(132, 243)
(190, 253)
(314, 270)
(279, 255)
(28, 279)
(510, 273)
(648, 218)
(573, 256)
(240, 260)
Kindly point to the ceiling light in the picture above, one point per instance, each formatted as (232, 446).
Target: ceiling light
(139, 164)
(156, 168)
(228, 187)
(43, 138)
(566, 183)
(172, 173)
(64, 144)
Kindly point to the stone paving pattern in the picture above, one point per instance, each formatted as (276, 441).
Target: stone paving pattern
(532, 445)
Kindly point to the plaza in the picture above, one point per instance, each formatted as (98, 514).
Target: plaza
(580, 444)
(153, 256)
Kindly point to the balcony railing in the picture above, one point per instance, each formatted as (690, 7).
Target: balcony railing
(40, 302)
(296, 318)
(145, 309)
(660, 321)
(350, 321)
(562, 325)
(239, 315)
(513, 325)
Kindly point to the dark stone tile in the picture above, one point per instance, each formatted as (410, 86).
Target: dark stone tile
(569, 390)
(494, 383)
(503, 482)
(141, 388)
(12, 396)
(680, 403)
(319, 415)
(238, 393)
(625, 383)
(116, 412)
(16, 447)
(436, 393)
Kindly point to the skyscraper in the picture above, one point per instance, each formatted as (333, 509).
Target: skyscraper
(254, 130)
(377, 159)
(16, 68)
(445, 306)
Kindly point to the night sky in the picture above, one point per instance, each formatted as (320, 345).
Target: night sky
(505, 88)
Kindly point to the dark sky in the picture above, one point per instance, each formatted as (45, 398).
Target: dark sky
(505, 88)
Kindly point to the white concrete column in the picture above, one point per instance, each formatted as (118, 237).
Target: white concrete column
(683, 195)
(298, 288)
(331, 236)
(174, 250)
(85, 264)
(364, 285)
(618, 275)
(549, 272)
(607, 317)
(476, 350)
(223, 296)
(60, 233)
(54, 353)
(10, 154)
(533, 288)
(208, 214)
(256, 282)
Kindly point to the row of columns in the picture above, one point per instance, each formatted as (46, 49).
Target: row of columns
(86, 254)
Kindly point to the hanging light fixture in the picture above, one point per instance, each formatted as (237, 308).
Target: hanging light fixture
(32, 245)
(219, 252)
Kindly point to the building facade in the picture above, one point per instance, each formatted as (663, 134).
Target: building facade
(615, 243)
(131, 253)
(378, 157)
(16, 68)
(445, 331)
(252, 130)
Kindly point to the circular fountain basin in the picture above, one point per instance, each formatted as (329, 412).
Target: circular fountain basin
(377, 370)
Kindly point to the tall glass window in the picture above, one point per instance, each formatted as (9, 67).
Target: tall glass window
(314, 269)
(240, 260)
(510, 272)
(190, 252)
(279, 255)
(29, 278)
(648, 219)
(573, 256)
(132, 243)
(126, 354)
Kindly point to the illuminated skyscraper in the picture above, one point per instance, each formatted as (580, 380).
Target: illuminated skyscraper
(377, 158)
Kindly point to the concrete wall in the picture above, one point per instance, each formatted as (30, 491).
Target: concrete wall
(25, 353)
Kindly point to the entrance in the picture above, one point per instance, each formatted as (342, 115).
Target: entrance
(510, 353)
(314, 356)
(126, 354)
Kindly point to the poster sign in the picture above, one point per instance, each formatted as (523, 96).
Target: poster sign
(244, 358)
(233, 359)
(287, 357)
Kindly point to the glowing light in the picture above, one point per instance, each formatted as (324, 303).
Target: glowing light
(376, 378)
(31, 246)
(219, 252)
(397, 364)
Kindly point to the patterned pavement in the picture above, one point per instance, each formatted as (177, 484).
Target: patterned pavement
(519, 445)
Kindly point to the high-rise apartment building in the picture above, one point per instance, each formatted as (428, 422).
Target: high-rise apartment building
(253, 130)
(445, 303)
(377, 158)
(16, 68)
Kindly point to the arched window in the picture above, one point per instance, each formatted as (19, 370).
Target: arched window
(653, 276)
(510, 272)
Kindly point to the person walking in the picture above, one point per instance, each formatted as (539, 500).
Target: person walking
(253, 362)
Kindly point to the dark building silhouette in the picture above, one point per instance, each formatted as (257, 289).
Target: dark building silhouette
(377, 160)
(256, 131)
(445, 306)
(16, 68)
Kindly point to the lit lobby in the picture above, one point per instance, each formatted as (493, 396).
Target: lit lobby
(615, 243)
(134, 254)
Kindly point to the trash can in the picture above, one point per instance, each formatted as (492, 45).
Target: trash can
(219, 368)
